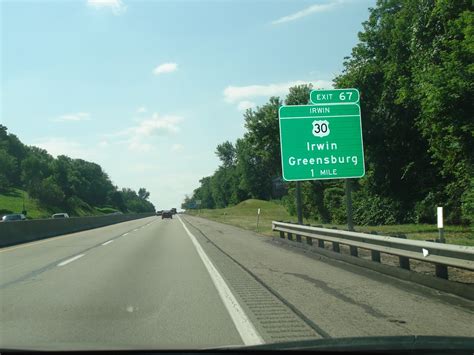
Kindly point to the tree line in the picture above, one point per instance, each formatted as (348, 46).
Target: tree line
(62, 182)
(414, 69)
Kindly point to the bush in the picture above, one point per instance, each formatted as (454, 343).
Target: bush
(425, 210)
(76, 206)
(467, 204)
(289, 202)
(374, 210)
(334, 201)
(49, 193)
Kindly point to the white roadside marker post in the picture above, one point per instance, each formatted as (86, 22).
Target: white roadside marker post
(258, 217)
(441, 270)
(440, 225)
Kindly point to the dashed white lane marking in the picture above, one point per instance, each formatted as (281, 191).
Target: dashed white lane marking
(65, 262)
(110, 241)
(124, 234)
(244, 326)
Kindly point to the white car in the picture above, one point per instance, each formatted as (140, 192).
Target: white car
(60, 215)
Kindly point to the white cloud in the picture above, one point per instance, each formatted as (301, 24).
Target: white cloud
(244, 105)
(117, 6)
(233, 94)
(165, 68)
(70, 117)
(156, 125)
(62, 146)
(308, 11)
(142, 109)
(177, 147)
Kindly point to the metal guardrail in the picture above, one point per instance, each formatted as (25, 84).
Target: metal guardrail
(442, 255)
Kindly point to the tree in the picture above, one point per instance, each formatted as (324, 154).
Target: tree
(226, 154)
(49, 193)
(143, 193)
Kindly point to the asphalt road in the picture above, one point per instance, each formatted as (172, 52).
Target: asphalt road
(189, 283)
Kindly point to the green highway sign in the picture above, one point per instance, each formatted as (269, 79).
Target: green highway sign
(321, 142)
(336, 96)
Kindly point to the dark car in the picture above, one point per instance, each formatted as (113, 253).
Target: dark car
(13, 217)
(166, 214)
(159, 213)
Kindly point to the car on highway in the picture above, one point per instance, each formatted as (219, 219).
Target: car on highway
(60, 215)
(167, 214)
(159, 213)
(13, 217)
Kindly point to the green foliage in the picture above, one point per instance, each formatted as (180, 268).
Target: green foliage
(143, 193)
(467, 206)
(63, 183)
(425, 210)
(413, 67)
(49, 192)
(335, 203)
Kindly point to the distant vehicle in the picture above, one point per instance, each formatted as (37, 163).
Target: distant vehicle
(167, 214)
(159, 213)
(173, 211)
(60, 215)
(13, 217)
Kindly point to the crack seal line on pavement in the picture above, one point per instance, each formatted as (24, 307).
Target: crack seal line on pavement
(292, 307)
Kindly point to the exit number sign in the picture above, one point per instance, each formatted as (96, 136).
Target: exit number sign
(322, 141)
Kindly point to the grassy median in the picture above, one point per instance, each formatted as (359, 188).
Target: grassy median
(244, 215)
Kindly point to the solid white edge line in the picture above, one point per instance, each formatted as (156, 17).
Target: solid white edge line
(110, 241)
(71, 260)
(246, 330)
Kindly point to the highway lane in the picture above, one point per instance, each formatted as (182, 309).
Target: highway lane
(192, 283)
(147, 288)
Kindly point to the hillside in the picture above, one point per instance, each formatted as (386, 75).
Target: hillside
(12, 202)
(244, 215)
(62, 184)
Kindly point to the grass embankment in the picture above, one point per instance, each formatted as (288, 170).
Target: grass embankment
(12, 202)
(244, 215)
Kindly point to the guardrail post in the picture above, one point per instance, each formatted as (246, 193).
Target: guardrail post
(321, 243)
(309, 240)
(354, 251)
(290, 236)
(335, 247)
(375, 255)
(282, 234)
(404, 262)
(441, 271)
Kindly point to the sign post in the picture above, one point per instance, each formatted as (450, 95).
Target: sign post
(323, 141)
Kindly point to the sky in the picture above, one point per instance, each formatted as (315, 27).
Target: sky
(148, 89)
